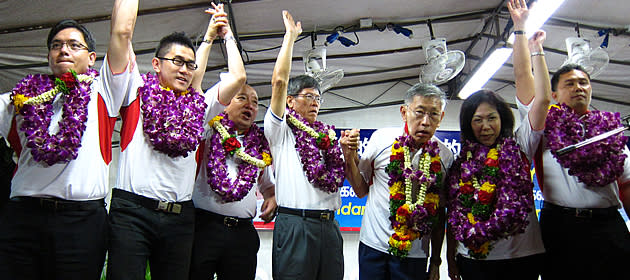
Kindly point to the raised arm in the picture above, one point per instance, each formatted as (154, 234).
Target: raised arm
(232, 84)
(538, 113)
(119, 51)
(349, 144)
(217, 20)
(282, 69)
(530, 86)
(520, 57)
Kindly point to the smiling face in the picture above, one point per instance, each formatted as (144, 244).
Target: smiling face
(307, 108)
(574, 90)
(177, 78)
(243, 108)
(64, 59)
(486, 124)
(422, 116)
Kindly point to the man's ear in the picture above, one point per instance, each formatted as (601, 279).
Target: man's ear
(92, 57)
(403, 113)
(155, 62)
(290, 100)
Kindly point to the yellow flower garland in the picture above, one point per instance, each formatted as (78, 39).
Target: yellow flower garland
(19, 100)
(261, 163)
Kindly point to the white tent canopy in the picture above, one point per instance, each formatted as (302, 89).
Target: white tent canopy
(379, 69)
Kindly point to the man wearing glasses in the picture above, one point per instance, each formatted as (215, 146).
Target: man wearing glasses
(309, 171)
(60, 125)
(152, 214)
(370, 176)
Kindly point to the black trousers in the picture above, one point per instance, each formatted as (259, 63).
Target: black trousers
(139, 234)
(53, 243)
(524, 268)
(376, 265)
(225, 247)
(596, 247)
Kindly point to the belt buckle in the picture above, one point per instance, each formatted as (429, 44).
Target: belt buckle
(230, 222)
(324, 216)
(176, 208)
(49, 204)
(162, 206)
(583, 213)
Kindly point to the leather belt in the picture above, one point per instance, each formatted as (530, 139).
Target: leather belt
(228, 221)
(316, 214)
(58, 204)
(150, 203)
(582, 212)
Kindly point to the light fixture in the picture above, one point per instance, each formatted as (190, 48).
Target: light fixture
(538, 15)
(485, 72)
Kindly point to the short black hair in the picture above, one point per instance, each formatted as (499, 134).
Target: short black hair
(70, 23)
(566, 69)
(297, 84)
(469, 107)
(178, 38)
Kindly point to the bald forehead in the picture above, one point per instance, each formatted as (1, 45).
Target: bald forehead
(249, 90)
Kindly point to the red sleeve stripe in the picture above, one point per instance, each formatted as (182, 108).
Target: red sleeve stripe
(130, 116)
(105, 130)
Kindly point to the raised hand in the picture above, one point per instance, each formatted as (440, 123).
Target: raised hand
(519, 13)
(535, 43)
(290, 25)
(218, 24)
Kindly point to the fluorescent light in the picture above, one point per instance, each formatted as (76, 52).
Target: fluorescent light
(485, 72)
(538, 15)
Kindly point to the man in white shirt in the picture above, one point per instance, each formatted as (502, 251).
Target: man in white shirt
(226, 242)
(582, 229)
(307, 243)
(422, 113)
(152, 214)
(55, 225)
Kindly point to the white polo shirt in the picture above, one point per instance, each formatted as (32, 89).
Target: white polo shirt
(81, 179)
(207, 199)
(148, 172)
(560, 188)
(376, 227)
(293, 189)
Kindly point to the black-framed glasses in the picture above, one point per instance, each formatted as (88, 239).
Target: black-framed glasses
(311, 97)
(191, 65)
(74, 45)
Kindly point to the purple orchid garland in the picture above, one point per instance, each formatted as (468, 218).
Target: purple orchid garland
(513, 194)
(329, 175)
(173, 123)
(64, 145)
(597, 164)
(255, 144)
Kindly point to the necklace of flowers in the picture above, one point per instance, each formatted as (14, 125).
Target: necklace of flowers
(32, 98)
(309, 141)
(412, 219)
(490, 195)
(596, 164)
(254, 155)
(173, 123)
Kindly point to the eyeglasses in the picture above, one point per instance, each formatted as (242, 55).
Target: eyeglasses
(191, 65)
(74, 45)
(433, 117)
(311, 97)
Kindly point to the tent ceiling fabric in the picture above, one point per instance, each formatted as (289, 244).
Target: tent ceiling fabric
(377, 71)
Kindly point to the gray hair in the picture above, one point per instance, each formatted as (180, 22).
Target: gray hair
(425, 90)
